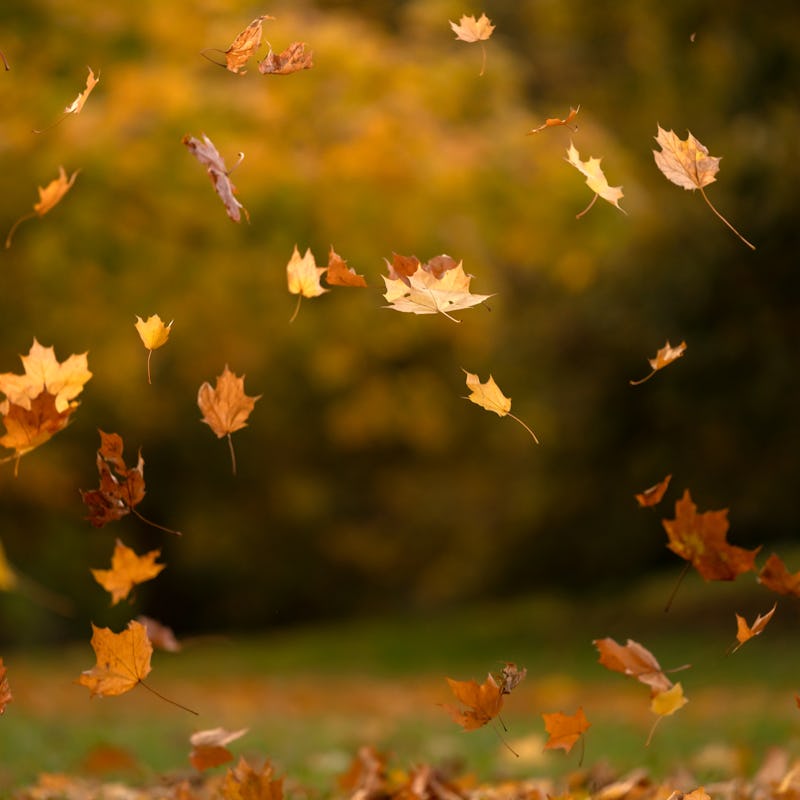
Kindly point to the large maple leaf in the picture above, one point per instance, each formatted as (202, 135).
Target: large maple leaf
(701, 540)
(482, 702)
(127, 570)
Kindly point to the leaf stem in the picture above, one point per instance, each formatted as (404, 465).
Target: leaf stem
(483, 60)
(153, 524)
(594, 199)
(505, 743)
(296, 308)
(213, 50)
(29, 215)
(149, 353)
(642, 380)
(677, 586)
(517, 419)
(167, 699)
(710, 205)
(233, 454)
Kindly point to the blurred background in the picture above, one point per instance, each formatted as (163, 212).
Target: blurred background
(365, 483)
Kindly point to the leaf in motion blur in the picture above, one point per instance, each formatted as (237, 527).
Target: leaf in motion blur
(482, 702)
(686, 163)
(469, 29)
(665, 356)
(303, 276)
(154, 334)
(209, 747)
(161, 636)
(595, 180)
(208, 155)
(293, 59)
(745, 632)
(563, 730)
(127, 570)
(555, 122)
(49, 196)
(123, 660)
(775, 576)
(5, 690)
(488, 395)
(243, 782)
(653, 495)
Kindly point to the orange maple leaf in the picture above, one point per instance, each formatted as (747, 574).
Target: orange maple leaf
(745, 632)
(564, 730)
(209, 747)
(127, 570)
(76, 106)
(595, 180)
(293, 59)
(226, 407)
(161, 636)
(242, 782)
(5, 691)
(469, 29)
(303, 276)
(775, 576)
(366, 776)
(666, 355)
(339, 274)
(488, 395)
(686, 163)
(554, 122)
(635, 660)
(49, 196)
(208, 155)
(701, 540)
(653, 495)
(483, 702)
(243, 46)
(154, 334)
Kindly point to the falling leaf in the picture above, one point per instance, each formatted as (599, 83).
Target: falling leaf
(49, 196)
(745, 632)
(121, 487)
(5, 691)
(595, 180)
(339, 274)
(468, 29)
(776, 577)
(209, 747)
(160, 636)
(488, 395)
(564, 730)
(153, 333)
(635, 660)
(554, 122)
(303, 276)
(701, 540)
(365, 778)
(653, 495)
(127, 570)
(425, 293)
(510, 677)
(8, 576)
(123, 660)
(665, 704)
(208, 155)
(687, 164)
(293, 59)
(76, 106)
(226, 407)
(242, 782)
(245, 45)
(666, 355)
(483, 702)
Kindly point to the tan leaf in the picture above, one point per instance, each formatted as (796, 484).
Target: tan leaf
(469, 29)
(242, 782)
(488, 395)
(303, 276)
(209, 747)
(293, 59)
(666, 355)
(595, 180)
(775, 576)
(161, 636)
(245, 45)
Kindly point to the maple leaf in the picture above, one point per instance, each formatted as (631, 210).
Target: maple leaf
(160, 636)
(775, 576)
(425, 293)
(127, 570)
(745, 632)
(209, 747)
(653, 495)
(595, 180)
(686, 163)
(666, 355)
(469, 29)
(303, 276)
(242, 782)
(154, 334)
(49, 196)
(123, 660)
(701, 540)
(635, 660)
(208, 155)
(510, 677)
(339, 274)
(554, 122)
(244, 45)
(483, 702)
(365, 778)
(226, 407)
(564, 730)
(76, 106)
(121, 487)
(5, 691)
(293, 59)
(488, 395)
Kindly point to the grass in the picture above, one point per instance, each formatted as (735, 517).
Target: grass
(311, 696)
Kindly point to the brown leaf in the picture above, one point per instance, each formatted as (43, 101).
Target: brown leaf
(701, 539)
(666, 355)
(293, 59)
(208, 155)
(635, 660)
(365, 778)
(564, 730)
(339, 274)
(483, 702)
(653, 495)
(245, 45)
(209, 747)
(554, 122)
(127, 570)
(776, 577)
(5, 691)
(745, 632)
(242, 782)
(161, 636)
(510, 677)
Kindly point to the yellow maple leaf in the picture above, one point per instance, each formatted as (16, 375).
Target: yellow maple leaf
(469, 29)
(595, 180)
(127, 570)
(665, 704)
(488, 395)
(303, 276)
(154, 334)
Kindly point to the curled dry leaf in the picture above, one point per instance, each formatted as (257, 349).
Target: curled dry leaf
(127, 570)
(49, 196)
(686, 163)
(563, 730)
(483, 702)
(595, 180)
(209, 747)
(293, 59)
(154, 334)
(665, 356)
(208, 155)
(776, 577)
(245, 45)
(488, 395)
(745, 632)
(555, 122)
(226, 407)
(653, 495)
(510, 677)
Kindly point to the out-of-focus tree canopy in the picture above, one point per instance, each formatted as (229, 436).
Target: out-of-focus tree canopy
(365, 482)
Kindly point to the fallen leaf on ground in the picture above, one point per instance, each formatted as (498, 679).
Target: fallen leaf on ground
(154, 334)
(595, 180)
(554, 122)
(209, 747)
(293, 59)
(776, 577)
(242, 782)
(488, 395)
(123, 660)
(483, 702)
(127, 570)
(666, 355)
(745, 632)
(653, 495)
(564, 730)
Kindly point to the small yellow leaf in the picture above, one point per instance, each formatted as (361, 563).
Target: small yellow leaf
(669, 701)
(595, 179)
(488, 395)
(153, 332)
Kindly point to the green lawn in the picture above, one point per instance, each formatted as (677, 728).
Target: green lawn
(310, 697)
